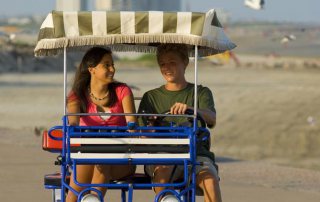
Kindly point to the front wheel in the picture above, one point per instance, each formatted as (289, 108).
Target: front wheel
(169, 198)
(90, 198)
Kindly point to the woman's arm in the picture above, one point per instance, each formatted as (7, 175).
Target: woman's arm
(129, 107)
(73, 107)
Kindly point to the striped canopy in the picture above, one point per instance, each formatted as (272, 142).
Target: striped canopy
(131, 31)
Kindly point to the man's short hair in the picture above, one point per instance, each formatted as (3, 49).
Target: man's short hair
(180, 49)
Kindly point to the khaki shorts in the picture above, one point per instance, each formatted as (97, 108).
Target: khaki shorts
(178, 173)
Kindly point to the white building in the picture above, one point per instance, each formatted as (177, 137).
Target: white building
(139, 5)
(163, 5)
(71, 5)
(103, 5)
(113, 5)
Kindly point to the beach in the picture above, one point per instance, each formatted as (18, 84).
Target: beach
(266, 139)
(23, 168)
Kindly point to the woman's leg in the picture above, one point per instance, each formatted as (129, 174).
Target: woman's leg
(105, 173)
(101, 174)
(84, 175)
(121, 171)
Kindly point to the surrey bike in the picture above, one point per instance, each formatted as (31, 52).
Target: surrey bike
(127, 31)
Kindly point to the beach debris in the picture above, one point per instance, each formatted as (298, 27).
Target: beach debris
(219, 59)
(288, 38)
(8, 38)
(311, 120)
(224, 58)
(12, 37)
(39, 130)
(255, 4)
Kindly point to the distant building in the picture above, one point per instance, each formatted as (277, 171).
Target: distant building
(71, 5)
(114, 5)
(103, 5)
(139, 5)
(163, 5)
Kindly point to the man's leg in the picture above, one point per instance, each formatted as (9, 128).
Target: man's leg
(161, 174)
(210, 186)
(104, 173)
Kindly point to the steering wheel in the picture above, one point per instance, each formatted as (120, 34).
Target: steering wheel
(203, 134)
(160, 119)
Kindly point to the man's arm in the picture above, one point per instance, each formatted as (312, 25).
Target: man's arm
(208, 115)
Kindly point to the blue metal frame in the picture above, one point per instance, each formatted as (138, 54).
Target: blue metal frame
(186, 187)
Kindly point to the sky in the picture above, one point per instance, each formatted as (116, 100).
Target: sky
(275, 10)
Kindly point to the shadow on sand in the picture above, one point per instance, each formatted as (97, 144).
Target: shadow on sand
(221, 159)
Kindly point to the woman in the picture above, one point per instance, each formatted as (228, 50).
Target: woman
(94, 90)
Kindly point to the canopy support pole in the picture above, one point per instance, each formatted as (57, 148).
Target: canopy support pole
(195, 105)
(65, 81)
(195, 122)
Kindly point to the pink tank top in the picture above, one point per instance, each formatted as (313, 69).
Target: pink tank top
(122, 91)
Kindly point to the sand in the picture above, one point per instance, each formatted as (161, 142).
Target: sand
(267, 149)
(23, 168)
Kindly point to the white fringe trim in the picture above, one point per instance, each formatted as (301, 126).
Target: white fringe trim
(139, 43)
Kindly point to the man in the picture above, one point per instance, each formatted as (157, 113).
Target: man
(177, 95)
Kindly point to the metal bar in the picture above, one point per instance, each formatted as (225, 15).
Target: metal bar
(129, 155)
(143, 141)
(123, 195)
(128, 114)
(64, 81)
(149, 134)
(63, 165)
(130, 193)
(195, 104)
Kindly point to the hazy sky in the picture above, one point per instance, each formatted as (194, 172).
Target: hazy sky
(275, 10)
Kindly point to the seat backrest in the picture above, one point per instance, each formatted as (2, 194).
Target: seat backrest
(107, 146)
(53, 142)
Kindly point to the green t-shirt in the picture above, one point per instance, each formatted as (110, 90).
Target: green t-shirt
(160, 100)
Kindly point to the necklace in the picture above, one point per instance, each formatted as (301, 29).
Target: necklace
(96, 98)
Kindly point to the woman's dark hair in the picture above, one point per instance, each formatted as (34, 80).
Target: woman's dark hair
(82, 77)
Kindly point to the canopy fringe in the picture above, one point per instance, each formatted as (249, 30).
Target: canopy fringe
(137, 42)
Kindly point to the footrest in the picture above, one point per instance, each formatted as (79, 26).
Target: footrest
(53, 181)
(137, 178)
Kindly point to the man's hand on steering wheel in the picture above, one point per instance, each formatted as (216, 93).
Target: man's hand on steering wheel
(179, 108)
